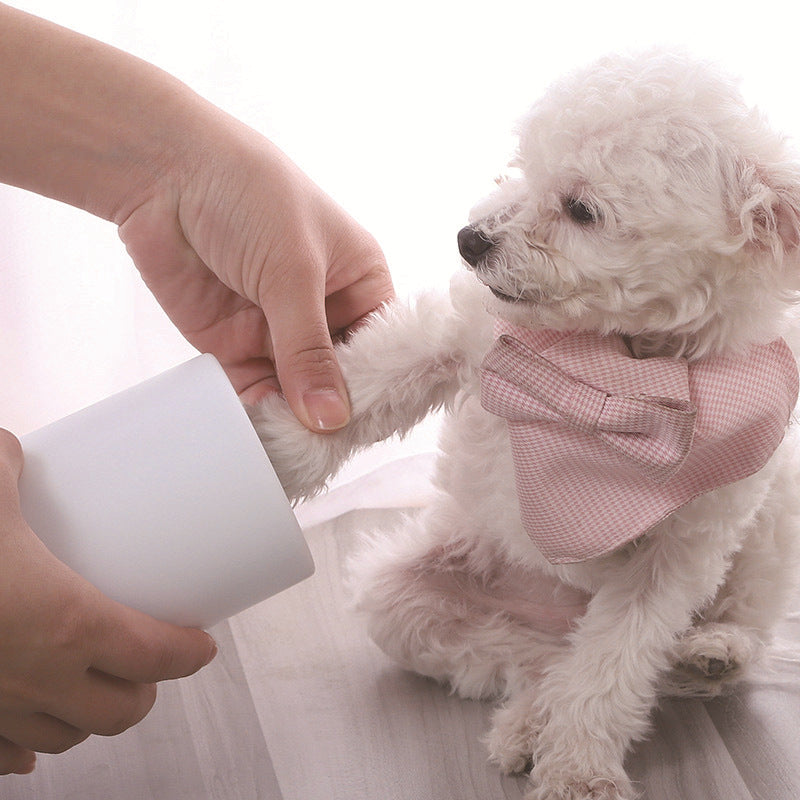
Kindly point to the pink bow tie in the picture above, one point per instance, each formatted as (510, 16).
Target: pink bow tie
(605, 445)
(655, 432)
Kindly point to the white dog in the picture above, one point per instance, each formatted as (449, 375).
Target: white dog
(616, 513)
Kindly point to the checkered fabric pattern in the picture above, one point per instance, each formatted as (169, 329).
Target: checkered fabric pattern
(605, 445)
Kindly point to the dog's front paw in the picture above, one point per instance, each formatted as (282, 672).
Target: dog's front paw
(546, 787)
(519, 741)
(302, 460)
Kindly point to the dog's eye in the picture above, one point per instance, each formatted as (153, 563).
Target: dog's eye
(579, 211)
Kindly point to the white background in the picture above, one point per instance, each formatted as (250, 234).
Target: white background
(401, 111)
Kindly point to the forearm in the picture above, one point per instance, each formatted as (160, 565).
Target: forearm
(83, 122)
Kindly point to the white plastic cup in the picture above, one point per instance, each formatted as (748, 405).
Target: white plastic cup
(162, 496)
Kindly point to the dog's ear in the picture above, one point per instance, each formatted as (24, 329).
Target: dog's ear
(769, 213)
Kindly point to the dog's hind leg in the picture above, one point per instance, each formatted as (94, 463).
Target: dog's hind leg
(439, 609)
(710, 658)
(730, 634)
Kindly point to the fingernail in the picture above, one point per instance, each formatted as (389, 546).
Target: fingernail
(213, 654)
(30, 766)
(326, 409)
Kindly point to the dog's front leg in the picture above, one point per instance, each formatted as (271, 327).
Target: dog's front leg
(577, 723)
(404, 362)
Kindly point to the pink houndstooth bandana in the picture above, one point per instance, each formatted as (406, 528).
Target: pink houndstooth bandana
(606, 445)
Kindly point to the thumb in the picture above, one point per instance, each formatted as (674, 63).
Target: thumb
(305, 360)
(11, 459)
(133, 646)
(10, 453)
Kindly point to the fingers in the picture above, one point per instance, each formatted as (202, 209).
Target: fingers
(133, 651)
(105, 705)
(306, 363)
(348, 307)
(358, 282)
(69, 653)
(254, 380)
(135, 647)
(78, 702)
(39, 732)
(15, 759)
(72, 661)
(100, 704)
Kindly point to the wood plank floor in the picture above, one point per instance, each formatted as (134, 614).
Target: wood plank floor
(300, 705)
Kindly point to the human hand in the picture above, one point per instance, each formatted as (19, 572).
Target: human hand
(254, 263)
(72, 661)
(248, 257)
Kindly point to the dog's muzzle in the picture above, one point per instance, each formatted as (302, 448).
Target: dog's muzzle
(473, 245)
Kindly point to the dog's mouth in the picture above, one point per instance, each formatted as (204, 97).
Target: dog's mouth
(506, 298)
(507, 292)
(529, 297)
(498, 293)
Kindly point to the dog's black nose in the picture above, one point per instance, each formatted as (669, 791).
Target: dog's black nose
(472, 244)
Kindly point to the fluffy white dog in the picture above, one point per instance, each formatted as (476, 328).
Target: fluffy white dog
(616, 513)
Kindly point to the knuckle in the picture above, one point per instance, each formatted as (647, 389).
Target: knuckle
(129, 713)
(170, 656)
(312, 361)
(165, 663)
(360, 255)
(311, 356)
(369, 252)
(12, 757)
(61, 741)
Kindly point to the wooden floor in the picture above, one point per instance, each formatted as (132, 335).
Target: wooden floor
(300, 705)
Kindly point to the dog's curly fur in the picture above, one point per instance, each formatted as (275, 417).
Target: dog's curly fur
(648, 201)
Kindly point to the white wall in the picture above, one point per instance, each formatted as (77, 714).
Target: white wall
(401, 111)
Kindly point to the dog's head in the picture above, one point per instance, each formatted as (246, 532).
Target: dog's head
(651, 201)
